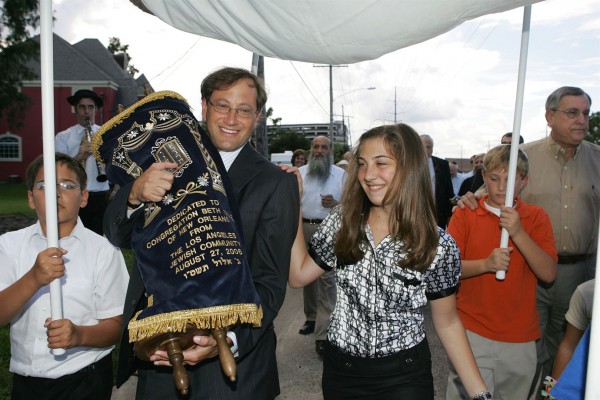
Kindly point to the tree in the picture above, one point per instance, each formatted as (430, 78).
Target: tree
(594, 135)
(18, 19)
(339, 150)
(283, 139)
(287, 139)
(115, 47)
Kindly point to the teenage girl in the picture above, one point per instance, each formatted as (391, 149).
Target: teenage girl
(389, 259)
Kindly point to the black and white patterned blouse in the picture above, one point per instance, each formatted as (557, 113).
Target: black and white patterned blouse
(378, 311)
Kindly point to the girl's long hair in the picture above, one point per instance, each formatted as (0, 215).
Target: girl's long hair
(409, 199)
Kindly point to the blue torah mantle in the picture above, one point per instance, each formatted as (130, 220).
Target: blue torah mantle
(189, 246)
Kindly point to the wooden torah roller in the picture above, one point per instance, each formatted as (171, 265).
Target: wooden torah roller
(175, 342)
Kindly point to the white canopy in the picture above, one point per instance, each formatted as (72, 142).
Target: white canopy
(322, 31)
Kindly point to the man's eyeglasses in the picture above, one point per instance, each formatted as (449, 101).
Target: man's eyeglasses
(242, 112)
(59, 186)
(574, 113)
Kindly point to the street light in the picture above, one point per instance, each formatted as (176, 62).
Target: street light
(354, 90)
(331, 110)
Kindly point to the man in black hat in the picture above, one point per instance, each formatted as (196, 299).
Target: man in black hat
(74, 142)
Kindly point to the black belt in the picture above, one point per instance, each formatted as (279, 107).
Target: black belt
(572, 258)
(98, 364)
(99, 193)
(312, 221)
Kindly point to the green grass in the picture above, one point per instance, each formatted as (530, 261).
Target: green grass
(13, 199)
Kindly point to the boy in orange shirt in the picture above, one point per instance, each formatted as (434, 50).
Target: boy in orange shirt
(500, 317)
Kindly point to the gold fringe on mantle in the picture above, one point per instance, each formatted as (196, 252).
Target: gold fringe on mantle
(204, 318)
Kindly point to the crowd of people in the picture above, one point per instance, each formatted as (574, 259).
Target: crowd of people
(372, 239)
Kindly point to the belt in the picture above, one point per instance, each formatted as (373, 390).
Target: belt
(572, 258)
(312, 221)
(99, 193)
(97, 364)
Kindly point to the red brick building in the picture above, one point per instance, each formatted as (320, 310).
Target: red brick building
(83, 65)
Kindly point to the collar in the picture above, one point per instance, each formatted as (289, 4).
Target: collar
(485, 209)
(229, 157)
(76, 232)
(557, 151)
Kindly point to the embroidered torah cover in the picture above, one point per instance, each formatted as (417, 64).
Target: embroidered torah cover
(189, 247)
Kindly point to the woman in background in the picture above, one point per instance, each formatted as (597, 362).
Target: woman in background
(299, 158)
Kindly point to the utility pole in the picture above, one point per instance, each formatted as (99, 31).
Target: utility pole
(395, 120)
(343, 126)
(331, 106)
(331, 138)
(261, 139)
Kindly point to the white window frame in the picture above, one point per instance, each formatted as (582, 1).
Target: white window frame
(19, 143)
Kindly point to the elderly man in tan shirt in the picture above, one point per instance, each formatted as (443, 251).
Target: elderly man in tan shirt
(564, 179)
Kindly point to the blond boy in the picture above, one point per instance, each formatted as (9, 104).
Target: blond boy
(500, 316)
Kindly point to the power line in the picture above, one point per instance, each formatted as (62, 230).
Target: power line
(176, 61)
(307, 88)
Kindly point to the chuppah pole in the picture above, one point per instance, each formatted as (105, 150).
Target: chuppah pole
(47, 67)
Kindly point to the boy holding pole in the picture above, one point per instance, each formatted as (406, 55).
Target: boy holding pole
(94, 281)
(500, 317)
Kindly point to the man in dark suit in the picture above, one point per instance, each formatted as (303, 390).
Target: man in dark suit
(441, 183)
(269, 204)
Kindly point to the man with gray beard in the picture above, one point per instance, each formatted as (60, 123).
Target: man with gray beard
(322, 184)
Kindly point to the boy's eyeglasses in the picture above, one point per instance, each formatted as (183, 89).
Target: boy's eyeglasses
(574, 113)
(59, 186)
(243, 112)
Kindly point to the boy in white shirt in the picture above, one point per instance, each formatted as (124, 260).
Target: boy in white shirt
(93, 279)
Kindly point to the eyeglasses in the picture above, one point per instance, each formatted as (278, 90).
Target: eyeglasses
(60, 185)
(574, 113)
(243, 112)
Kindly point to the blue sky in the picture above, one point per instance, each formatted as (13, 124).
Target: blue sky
(459, 87)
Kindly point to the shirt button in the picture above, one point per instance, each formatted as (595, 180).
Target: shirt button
(566, 206)
(566, 228)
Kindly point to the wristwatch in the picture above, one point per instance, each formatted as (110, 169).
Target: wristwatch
(481, 396)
